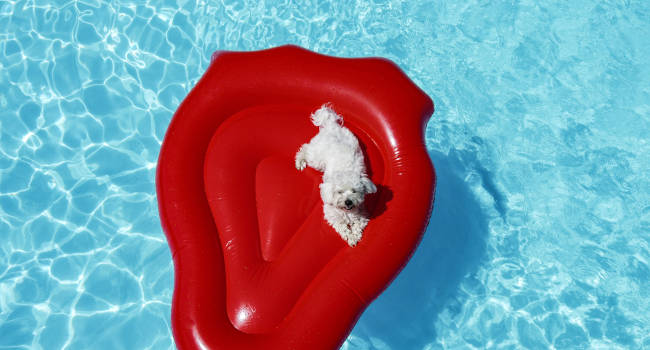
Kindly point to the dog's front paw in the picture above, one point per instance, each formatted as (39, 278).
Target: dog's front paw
(353, 238)
(356, 231)
(349, 234)
(359, 224)
(343, 230)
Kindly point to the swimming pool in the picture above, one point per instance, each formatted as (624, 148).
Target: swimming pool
(540, 233)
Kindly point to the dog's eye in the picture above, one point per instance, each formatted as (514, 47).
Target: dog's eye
(339, 191)
(354, 191)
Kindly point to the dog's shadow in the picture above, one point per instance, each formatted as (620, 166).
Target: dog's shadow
(376, 204)
(404, 316)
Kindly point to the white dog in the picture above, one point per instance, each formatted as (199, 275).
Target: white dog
(335, 151)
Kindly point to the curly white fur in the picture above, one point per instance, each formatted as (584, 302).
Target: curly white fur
(335, 151)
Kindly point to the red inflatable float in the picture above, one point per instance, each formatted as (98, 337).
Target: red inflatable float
(256, 265)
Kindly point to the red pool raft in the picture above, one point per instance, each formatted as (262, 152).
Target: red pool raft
(256, 265)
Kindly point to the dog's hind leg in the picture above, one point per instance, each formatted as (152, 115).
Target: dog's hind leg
(301, 158)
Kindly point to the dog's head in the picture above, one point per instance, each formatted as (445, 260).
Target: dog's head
(346, 192)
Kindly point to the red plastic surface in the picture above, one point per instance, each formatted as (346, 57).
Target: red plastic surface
(256, 265)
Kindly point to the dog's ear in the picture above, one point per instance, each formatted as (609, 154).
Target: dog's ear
(368, 185)
(327, 192)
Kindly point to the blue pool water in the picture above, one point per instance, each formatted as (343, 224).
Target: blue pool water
(540, 237)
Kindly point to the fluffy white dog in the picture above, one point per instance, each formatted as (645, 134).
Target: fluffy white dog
(335, 151)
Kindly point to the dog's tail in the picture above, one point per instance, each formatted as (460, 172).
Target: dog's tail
(325, 116)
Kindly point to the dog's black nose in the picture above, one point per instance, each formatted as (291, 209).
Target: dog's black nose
(348, 203)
